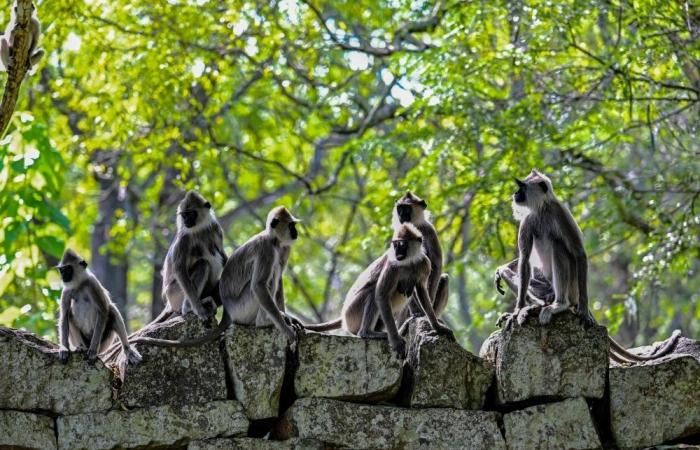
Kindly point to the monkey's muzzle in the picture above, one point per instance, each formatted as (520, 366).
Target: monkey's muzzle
(189, 218)
(293, 233)
(66, 273)
(404, 213)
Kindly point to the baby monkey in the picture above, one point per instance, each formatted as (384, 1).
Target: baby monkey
(89, 320)
(382, 290)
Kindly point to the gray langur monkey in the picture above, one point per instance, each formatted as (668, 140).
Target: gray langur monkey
(412, 209)
(194, 261)
(550, 242)
(251, 286)
(7, 40)
(89, 320)
(383, 289)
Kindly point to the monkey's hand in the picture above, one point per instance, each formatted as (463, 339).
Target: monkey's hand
(91, 356)
(63, 355)
(399, 347)
(497, 281)
(585, 317)
(292, 337)
(206, 310)
(294, 322)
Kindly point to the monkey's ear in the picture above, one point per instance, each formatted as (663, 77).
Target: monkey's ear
(544, 187)
(83, 264)
(207, 205)
(274, 223)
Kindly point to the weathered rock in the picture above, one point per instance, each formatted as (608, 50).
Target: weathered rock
(256, 444)
(256, 359)
(563, 425)
(346, 367)
(657, 401)
(559, 360)
(361, 426)
(175, 375)
(443, 374)
(159, 425)
(34, 379)
(26, 430)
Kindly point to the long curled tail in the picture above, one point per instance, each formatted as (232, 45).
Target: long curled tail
(325, 326)
(619, 354)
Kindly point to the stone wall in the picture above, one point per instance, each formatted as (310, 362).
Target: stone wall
(531, 387)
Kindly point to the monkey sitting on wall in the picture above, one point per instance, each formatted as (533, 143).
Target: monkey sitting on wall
(7, 40)
(89, 320)
(550, 239)
(412, 209)
(251, 286)
(381, 291)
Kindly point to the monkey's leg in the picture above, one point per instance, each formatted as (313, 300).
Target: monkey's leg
(370, 316)
(561, 274)
(199, 276)
(440, 301)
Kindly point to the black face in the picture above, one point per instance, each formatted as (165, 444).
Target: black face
(66, 273)
(404, 212)
(400, 249)
(189, 218)
(293, 230)
(520, 196)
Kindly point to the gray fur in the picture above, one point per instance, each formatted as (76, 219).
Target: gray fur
(251, 284)
(382, 290)
(194, 261)
(89, 320)
(552, 267)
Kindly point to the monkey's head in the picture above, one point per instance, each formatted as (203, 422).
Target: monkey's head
(409, 209)
(282, 224)
(407, 243)
(532, 192)
(72, 267)
(193, 212)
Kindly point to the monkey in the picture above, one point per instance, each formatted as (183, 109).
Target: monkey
(194, 261)
(7, 40)
(412, 209)
(550, 239)
(88, 320)
(383, 289)
(251, 286)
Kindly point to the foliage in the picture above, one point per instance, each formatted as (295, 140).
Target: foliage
(335, 108)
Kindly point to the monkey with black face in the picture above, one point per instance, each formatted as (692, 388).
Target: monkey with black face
(383, 289)
(550, 240)
(412, 209)
(194, 260)
(7, 40)
(89, 320)
(251, 286)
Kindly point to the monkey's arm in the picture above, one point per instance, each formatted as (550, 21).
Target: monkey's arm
(63, 325)
(386, 288)
(192, 291)
(102, 303)
(427, 305)
(525, 243)
(262, 273)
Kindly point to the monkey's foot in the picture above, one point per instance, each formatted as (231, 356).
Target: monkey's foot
(63, 356)
(443, 330)
(545, 315)
(293, 322)
(504, 320)
(373, 335)
(585, 318)
(524, 313)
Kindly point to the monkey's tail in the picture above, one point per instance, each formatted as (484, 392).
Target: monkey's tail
(325, 326)
(619, 354)
(220, 329)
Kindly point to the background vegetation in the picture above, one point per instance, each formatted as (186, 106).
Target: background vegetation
(334, 109)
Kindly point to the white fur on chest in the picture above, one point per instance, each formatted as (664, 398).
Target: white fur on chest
(84, 312)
